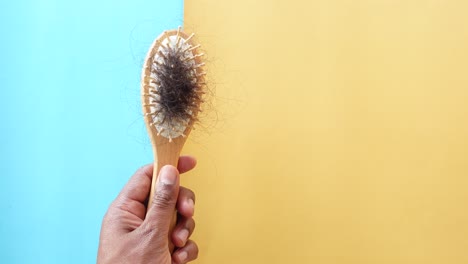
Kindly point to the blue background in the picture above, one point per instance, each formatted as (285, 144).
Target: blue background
(71, 127)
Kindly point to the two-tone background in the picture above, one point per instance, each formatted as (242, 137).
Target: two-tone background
(341, 132)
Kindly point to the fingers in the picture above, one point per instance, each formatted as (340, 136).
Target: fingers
(186, 163)
(186, 202)
(160, 214)
(188, 253)
(183, 231)
(138, 186)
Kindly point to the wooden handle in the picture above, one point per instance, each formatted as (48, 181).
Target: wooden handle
(167, 145)
(165, 153)
(157, 168)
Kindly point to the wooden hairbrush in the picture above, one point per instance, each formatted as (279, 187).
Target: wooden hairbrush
(172, 87)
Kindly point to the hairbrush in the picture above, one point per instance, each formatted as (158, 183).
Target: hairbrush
(172, 88)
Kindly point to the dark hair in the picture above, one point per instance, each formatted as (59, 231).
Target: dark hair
(179, 88)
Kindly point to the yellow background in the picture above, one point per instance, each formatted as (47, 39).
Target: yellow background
(342, 134)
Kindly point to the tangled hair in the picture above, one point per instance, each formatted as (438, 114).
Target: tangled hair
(180, 93)
(173, 84)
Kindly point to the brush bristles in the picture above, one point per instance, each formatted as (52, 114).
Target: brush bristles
(175, 87)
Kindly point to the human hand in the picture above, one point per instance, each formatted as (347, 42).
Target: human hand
(127, 236)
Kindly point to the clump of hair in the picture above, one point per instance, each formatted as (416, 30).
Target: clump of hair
(180, 93)
(176, 85)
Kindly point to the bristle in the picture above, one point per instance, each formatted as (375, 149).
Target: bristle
(178, 93)
(160, 53)
(190, 48)
(175, 84)
(194, 56)
(177, 38)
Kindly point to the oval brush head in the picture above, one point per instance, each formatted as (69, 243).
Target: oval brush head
(172, 86)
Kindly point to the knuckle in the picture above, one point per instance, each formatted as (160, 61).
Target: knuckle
(191, 224)
(124, 206)
(191, 195)
(186, 193)
(195, 250)
(143, 168)
(163, 198)
(151, 234)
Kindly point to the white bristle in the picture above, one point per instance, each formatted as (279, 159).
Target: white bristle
(170, 129)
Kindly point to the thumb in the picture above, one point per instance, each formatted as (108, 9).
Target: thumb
(161, 212)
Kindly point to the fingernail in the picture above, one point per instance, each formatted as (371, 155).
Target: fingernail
(183, 235)
(167, 176)
(191, 205)
(183, 255)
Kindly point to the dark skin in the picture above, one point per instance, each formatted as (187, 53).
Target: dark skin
(128, 235)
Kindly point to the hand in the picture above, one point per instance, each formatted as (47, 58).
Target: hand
(128, 237)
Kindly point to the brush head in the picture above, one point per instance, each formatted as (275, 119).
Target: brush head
(172, 84)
